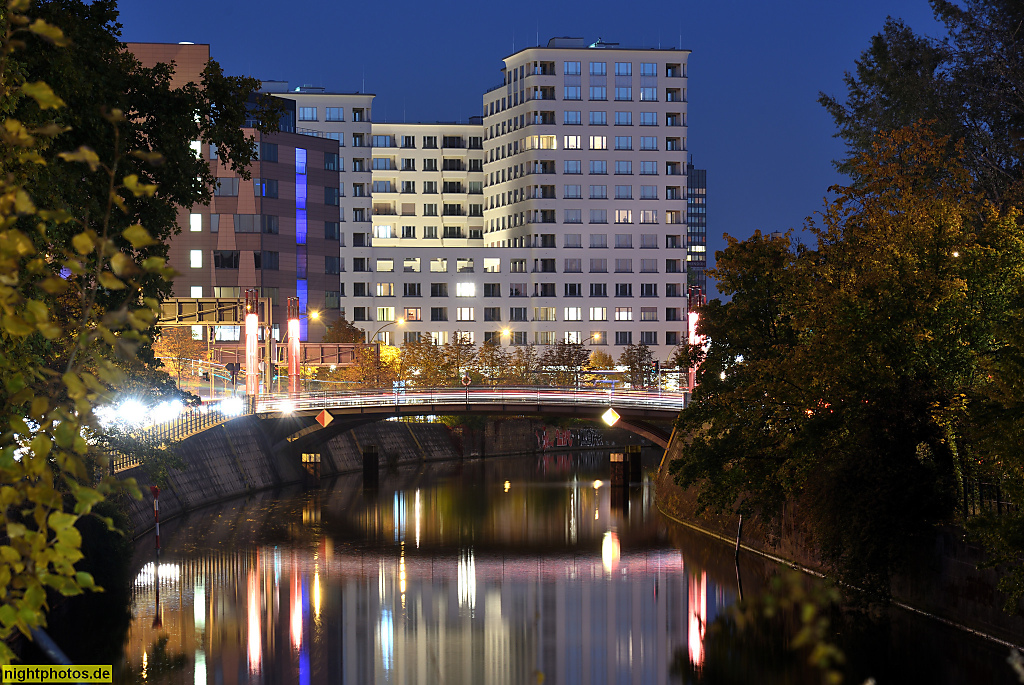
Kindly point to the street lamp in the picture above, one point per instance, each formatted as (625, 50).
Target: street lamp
(376, 369)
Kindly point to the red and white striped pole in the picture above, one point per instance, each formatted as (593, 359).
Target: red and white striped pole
(155, 491)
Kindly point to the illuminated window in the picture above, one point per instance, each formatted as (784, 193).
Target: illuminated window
(195, 222)
(464, 314)
(412, 314)
(573, 314)
(307, 113)
(195, 259)
(386, 290)
(196, 291)
(623, 313)
(439, 265)
(385, 313)
(598, 313)
(571, 143)
(598, 143)
(465, 290)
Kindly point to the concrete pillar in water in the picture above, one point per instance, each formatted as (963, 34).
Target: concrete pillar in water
(635, 472)
(371, 465)
(619, 476)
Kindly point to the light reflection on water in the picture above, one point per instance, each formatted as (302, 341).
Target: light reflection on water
(504, 576)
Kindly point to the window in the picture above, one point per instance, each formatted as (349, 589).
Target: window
(573, 216)
(334, 114)
(195, 259)
(412, 314)
(360, 289)
(265, 187)
(598, 166)
(385, 231)
(268, 152)
(492, 289)
(331, 161)
(648, 216)
(227, 333)
(215, 223)
(571, 68)
(648, 94)
(649, 290)
(430, 231)
(332, 265)
(430, 165)
(598, 68)
(648, 143)
(517, 266)
(195, 222)
(598, 192)
(411, 290)
(307, 113)
(544, 337)
(571, 143)
(464, 265)
(673, 266)
(624, 167)
(465, 290)
(598, 93)
(385, 264)
(672, 337)
(623, 142)
(598, 266)
(623, 68)
(623, 313)
(408, 231)
(598, 313)
(386, 290)
(648, 266)
(573, 290)
(572, 93)
(439, 337)
(464, 314)
(623, 93)
(439, 290)
(439, 313)
(599, 216)
(518, 338)
(649, 241)
(195, 291)
(648, 118)
(623, 216)
(545, 314)
(672, 314)
(648, 338)
(649, 193)
(517, 314)
(598, 142)
(267, 260)
(598, 240)
(573, 166)
(599, 118)
(226, 187)
(573, 192)
(225, 259)
(649, 168)
(572, 314)
(430, 210)
(572, 118)
(492, 313)
(623, 118)
(247, 223)
(332, 196)
(492, 265)
(623, 290)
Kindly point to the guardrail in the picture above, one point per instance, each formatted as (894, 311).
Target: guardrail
(659, 400)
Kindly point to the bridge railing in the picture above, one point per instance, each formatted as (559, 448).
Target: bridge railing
(529, 395)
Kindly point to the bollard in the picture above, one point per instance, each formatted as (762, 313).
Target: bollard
(618, 475)
(634, 469)
(155, 491)
(371, 465)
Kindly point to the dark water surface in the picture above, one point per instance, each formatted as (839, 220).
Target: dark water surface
(520, 570)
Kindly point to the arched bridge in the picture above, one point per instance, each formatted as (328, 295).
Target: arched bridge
(291, 420)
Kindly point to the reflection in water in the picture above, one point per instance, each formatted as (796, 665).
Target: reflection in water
(510, 580)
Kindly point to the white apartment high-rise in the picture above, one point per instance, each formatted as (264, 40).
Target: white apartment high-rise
(557, 215)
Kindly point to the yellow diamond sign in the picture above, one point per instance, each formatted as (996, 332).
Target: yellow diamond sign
(610, 416)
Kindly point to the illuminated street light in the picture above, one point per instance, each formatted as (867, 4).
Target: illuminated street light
(610, 417)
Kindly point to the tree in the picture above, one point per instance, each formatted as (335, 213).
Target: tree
(343, 331)
(522, 366)
(492, 361)
(599, 360)
(638, 361)
(841, 376)
(95, 75)
(425, 364)
(966, 85)
(565, 363)
(178, 349)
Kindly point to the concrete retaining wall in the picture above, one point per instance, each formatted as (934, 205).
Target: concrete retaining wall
(944, 579)
(235, 459)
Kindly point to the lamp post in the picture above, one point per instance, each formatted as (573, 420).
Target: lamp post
(376, 368)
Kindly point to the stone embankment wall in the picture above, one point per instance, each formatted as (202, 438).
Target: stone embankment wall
(525, 436)
(235, 459)
(944, 580)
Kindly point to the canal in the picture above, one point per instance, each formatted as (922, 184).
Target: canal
(513, 570)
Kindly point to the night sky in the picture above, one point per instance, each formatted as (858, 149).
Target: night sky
(755, 70)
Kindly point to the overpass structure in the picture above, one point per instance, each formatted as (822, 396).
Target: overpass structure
(304, 419)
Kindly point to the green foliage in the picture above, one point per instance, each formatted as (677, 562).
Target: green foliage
(850, 377)
(343, 331)
(967, 85)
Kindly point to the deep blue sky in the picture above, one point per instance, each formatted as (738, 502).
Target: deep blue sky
(755, 70)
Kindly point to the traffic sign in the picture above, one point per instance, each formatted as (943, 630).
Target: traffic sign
(324, 418)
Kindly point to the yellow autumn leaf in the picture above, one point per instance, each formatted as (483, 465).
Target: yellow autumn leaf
(131, 182)
(42, 94)
(83, 154)
(137, 236)
(49, 32)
